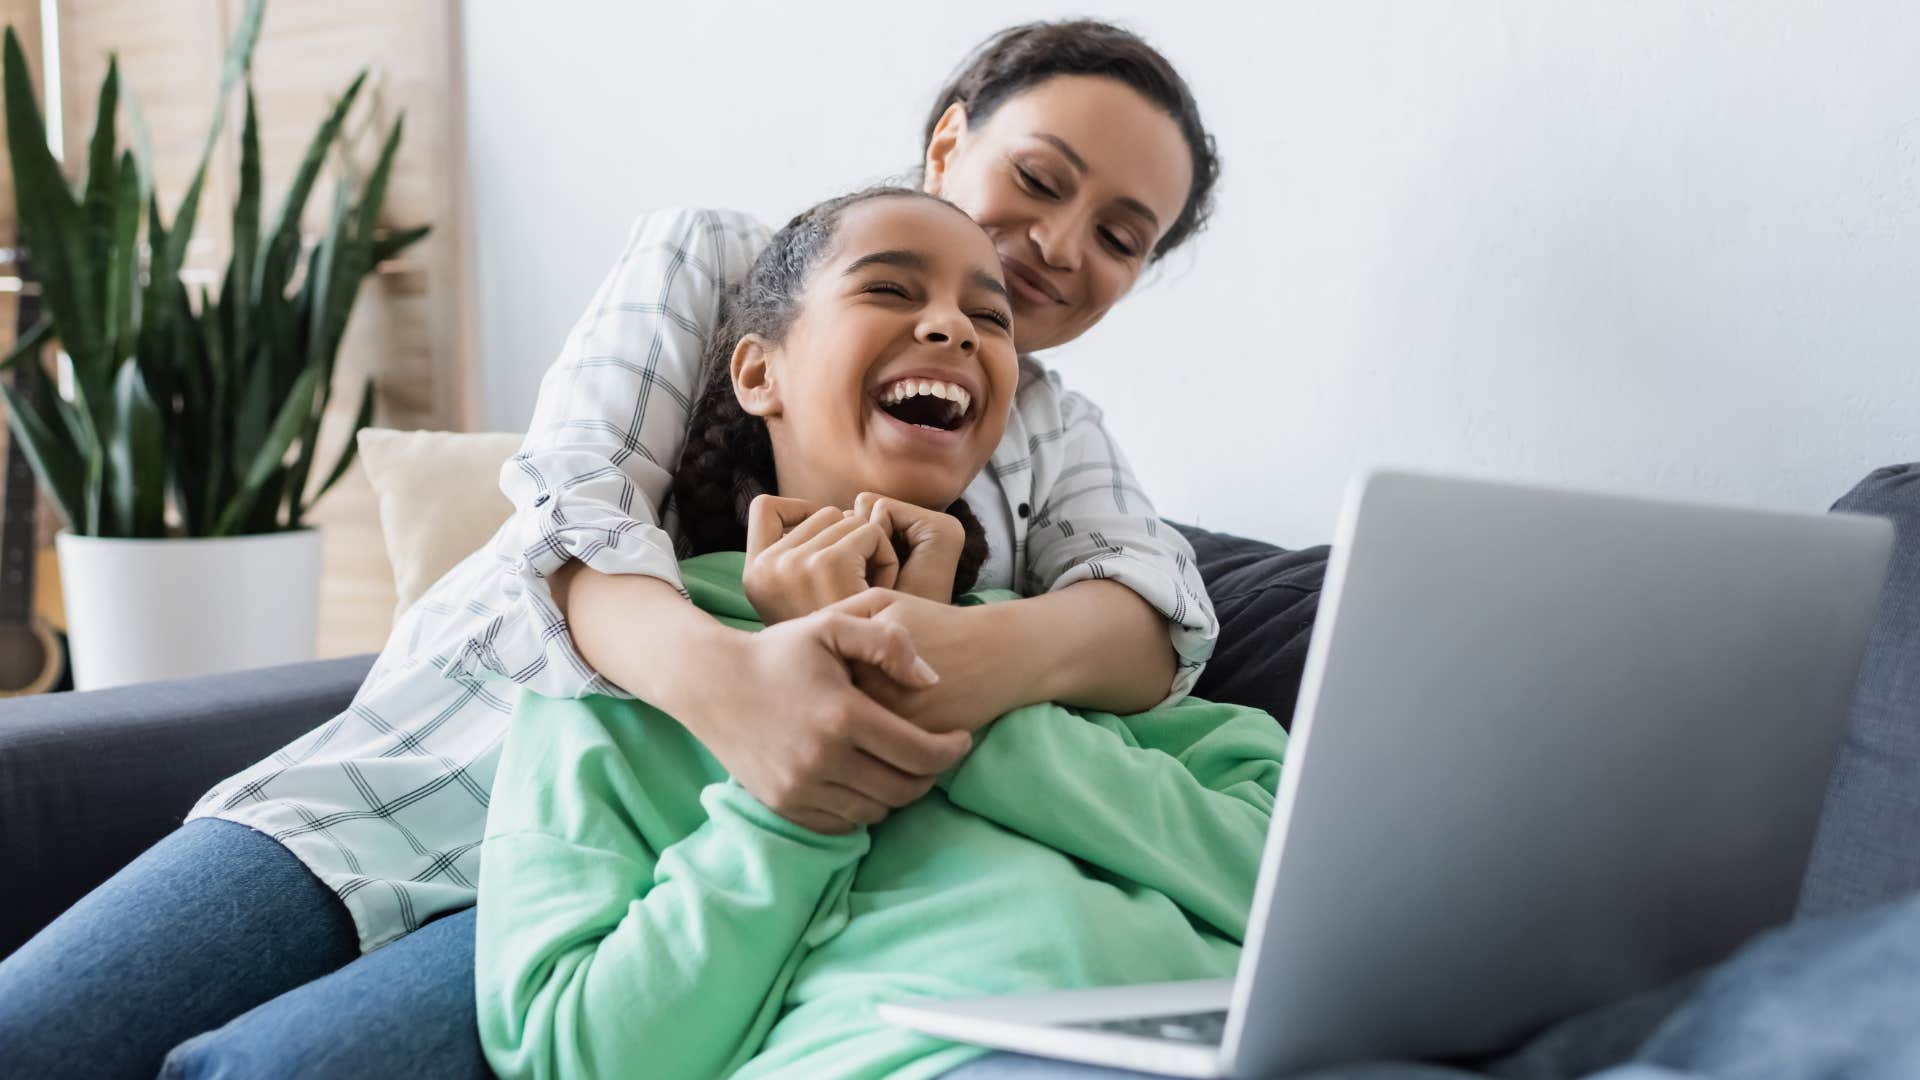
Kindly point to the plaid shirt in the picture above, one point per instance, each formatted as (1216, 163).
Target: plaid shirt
(387, 802)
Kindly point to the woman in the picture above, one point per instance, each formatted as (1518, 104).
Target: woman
(1082, 154)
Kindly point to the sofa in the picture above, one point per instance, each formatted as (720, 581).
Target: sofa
(89, 780)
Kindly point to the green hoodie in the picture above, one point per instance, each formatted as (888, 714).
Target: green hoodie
(640, 914)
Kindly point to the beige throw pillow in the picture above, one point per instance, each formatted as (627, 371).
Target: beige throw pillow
(439, 496)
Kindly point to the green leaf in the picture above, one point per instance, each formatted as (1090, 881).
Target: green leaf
(101, 178)
(276, 269)
(375, 193)
(139, 452)
(250, 415)
(90, 419)
(265, 516)
(55, 460)
(394, 243)
(303, 461)
(29, 343)
(326, 273)
(142, 140)
(239, 61)
(54, 226)
(360, 420)
(100, 154)
(352, 258)
(94, 501)
(246, 234)
(123, 262)
(293, 413)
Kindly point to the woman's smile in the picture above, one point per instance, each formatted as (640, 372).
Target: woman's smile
(1028, 285)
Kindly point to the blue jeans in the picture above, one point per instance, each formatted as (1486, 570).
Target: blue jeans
(216, 953)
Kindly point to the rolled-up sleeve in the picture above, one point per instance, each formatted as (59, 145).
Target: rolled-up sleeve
(611, 419)
(1095, 523)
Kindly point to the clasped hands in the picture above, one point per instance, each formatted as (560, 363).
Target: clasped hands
(885, 679)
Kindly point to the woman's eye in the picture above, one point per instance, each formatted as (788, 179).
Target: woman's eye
(1114, 241)
(888, 287)
(1032, 182)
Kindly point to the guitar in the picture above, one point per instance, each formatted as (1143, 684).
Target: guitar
(33, 655)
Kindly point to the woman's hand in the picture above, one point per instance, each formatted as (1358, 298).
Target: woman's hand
(980, 663)
(802, 557)
(805, 740)
(779, 708)
(931, 541)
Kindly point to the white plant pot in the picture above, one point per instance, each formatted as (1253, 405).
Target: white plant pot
(139, 610)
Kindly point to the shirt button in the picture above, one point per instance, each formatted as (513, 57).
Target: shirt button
(1024, 510)
(541, 501)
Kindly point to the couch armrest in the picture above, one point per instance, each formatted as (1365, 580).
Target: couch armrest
(88, 780)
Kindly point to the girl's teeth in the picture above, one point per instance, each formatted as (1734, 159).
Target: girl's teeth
(907, 388)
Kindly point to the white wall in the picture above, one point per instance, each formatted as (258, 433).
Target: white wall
(1655, 247)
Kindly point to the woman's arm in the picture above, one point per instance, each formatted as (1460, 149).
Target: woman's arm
(1093, 522)
(1093, 645)
(609, 423)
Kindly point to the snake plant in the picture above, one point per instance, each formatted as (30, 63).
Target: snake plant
(214, 399)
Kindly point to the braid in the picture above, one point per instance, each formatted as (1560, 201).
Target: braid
(973, 553)
(728, 457)
(727, 461)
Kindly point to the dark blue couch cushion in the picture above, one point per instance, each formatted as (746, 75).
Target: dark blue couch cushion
(1868, 848)
(1266, 598)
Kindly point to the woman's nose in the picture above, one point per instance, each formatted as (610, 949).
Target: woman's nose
(1058, 241)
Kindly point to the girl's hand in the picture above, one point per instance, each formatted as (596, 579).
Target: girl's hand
(802, 557)
(978, 659)
(932, 540)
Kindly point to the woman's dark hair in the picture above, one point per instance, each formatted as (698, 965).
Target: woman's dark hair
(729, 455)
(1023, 56)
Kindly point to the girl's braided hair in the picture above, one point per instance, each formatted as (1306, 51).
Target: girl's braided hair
(729, 455)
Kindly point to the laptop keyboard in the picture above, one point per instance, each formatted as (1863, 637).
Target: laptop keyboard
(1202, 1027)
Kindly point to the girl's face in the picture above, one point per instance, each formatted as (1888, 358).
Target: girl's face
(897, 375)
(1075, 179)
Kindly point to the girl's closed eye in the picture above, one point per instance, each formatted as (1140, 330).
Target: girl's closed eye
(1002, 319)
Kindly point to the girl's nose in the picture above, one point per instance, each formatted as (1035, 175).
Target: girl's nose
(940, 331)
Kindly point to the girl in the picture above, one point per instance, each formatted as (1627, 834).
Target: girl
(641, 913)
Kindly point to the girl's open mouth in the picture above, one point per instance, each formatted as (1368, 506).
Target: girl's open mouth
(930, 404)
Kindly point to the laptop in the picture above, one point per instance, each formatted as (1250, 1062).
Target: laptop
(1551, 748)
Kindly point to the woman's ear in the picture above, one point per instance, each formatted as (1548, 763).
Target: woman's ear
(943, 148)
(753, 384)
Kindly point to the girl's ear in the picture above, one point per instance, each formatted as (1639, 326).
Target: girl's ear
(943, 148)
(753, 384)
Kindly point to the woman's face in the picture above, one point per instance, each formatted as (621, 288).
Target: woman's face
(899, 371)
(1075, 179)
